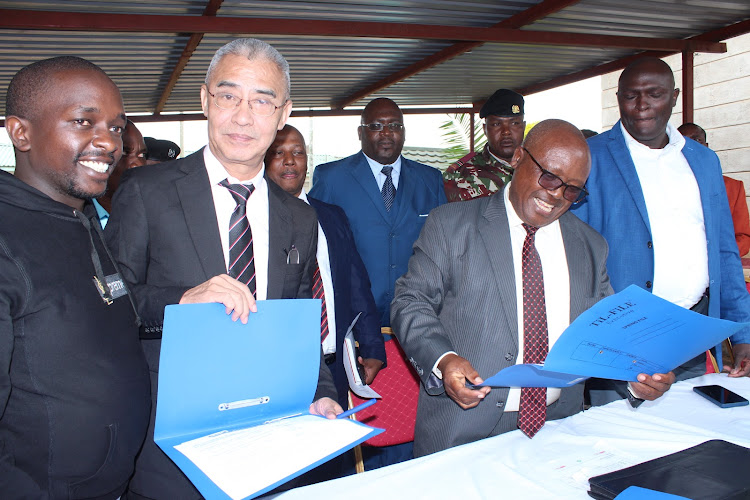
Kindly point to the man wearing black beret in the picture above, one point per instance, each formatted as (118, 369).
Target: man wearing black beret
(160, 150)
(482, 173)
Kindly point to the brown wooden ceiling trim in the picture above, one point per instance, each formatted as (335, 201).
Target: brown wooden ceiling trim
(74, 21)
(212, 8)
(716, 35)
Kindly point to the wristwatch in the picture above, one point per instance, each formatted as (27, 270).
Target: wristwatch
(634, 401)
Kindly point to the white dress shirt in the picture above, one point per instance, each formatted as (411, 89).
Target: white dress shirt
(257, 215)
(324, 262)
(675, 214)
(380, 177)
(549, 244)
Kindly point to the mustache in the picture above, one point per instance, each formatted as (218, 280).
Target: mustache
(102, 157)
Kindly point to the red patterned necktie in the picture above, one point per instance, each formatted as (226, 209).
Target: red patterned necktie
(319, 293)
(532, 411)
(241, 258)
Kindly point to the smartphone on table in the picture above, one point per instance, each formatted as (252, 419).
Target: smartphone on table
(718, 395)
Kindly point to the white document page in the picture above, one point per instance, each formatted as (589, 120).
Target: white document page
(245, 461)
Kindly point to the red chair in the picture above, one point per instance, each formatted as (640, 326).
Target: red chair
(396, 412)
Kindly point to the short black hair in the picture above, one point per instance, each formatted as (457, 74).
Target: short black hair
(35, 79)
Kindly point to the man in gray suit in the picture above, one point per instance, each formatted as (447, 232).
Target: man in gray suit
(494, 282)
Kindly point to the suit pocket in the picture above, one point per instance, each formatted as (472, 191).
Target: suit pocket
(112, 472)
(292, 280)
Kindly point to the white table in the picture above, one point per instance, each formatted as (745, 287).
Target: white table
(557, 463)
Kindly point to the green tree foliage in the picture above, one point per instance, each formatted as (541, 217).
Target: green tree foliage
(457, 133)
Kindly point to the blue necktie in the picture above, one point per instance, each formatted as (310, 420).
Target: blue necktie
(389, 190)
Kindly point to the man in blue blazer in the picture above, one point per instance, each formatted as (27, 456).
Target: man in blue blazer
(361, 184)
(660, 202)
(347, 287)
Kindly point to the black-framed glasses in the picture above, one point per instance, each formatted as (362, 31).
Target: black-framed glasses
(551, 182)
(377, 127)
(259, 107)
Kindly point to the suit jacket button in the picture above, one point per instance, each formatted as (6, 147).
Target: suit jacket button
(648, 284)
(649, 244)
(508, 357)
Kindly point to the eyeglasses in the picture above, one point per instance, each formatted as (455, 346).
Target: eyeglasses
(551, 182)
(259, 107)
(377, 127)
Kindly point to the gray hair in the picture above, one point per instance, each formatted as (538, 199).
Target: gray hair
(251, 48)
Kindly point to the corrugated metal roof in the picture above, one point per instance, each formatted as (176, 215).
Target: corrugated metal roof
(327, 69)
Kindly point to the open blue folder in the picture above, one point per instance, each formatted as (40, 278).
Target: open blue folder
(630, 332)
(234, 398)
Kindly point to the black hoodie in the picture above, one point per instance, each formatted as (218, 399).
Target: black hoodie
(74, 385)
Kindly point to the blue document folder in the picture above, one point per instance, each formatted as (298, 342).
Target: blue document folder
(625, 334)
(222, 383)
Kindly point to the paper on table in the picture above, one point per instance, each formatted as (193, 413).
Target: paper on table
(356, 384)
(628, 333)
(232, 459)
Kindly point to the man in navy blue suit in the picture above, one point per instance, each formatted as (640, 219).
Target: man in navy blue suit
(659, 200)
(344, 277)
(385, 196)
(387, 199)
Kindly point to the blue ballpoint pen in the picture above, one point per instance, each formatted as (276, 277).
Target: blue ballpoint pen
(357, 408)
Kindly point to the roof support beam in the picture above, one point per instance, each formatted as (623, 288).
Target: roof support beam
(724, 33)
(297, 113)
(528, 16)
(195, 39)
(147, 23)
(688, 87)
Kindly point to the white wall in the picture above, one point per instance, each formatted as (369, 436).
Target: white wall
(721, 101)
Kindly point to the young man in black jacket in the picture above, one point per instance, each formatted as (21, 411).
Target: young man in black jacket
(74, 385)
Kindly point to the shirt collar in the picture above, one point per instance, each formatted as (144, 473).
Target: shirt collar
(495, 158)
(217, 172)
(514, 220)
(676, 141)
(303, 196)
(377, 167)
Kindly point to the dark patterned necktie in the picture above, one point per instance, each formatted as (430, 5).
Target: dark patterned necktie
(532, 411)
(319, 293)
(241, 258)
(389, 190)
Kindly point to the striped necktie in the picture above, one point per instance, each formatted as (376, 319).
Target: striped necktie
(241, 259)
(532, 411)
(319, 293)
(389, 190)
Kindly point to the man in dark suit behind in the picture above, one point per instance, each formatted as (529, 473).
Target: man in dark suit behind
(494, 282)
(170, 228)
(344, 277)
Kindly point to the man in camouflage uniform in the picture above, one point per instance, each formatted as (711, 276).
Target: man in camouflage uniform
(482, 173)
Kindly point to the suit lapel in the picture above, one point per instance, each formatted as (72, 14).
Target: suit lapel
(332, 237)
(495, 233)
(624, 164)
(279, 239)
(703, 178)
(405, 192)
(579, 265)
(363, 176)
(200, 216)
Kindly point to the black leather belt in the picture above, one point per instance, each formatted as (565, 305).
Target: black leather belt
(702, 305)
(330, 358)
